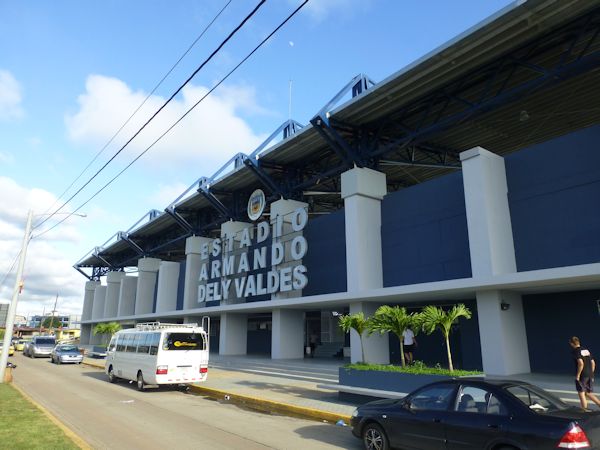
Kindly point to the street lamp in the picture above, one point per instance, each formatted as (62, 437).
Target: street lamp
(12, 309)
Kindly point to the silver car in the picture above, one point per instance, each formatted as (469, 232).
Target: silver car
(66, 353)
(40, 346)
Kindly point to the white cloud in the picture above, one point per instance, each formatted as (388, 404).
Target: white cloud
(206, 138)
(49, 259)
(10, 97)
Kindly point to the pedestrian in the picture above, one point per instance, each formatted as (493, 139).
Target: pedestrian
(313, 341)
(410, 343)
(585, 366)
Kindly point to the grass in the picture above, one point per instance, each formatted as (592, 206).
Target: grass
(24, 427)
(418, 368)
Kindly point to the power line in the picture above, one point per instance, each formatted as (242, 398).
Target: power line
(182, 117)
(206, 61)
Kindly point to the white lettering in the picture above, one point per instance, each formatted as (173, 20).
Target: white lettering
(245, 241)
(260, 289)
(299, 247)
(272, 282)
(201, 293)
(260, 258)
(300, 280)
(250, 286)
(285, 279)
(216, 247)
(278, 227)
(277, 253)
(203, 273)
(299, 219)
(239, 286)
(228, 265)
(262, 232)
(216, 269)
(243, 265)
(225, 288)
(204, 251)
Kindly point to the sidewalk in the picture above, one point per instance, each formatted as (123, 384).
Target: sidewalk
(286, 387)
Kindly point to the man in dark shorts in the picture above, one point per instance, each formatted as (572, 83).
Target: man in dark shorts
(585, 367)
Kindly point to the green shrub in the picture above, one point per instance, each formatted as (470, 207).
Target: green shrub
(418, 368)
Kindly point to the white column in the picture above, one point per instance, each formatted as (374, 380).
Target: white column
(502, 332)
(362, 191)
(99, 301)
(283, 210)
(233, 339)
(231, 235)
(376, 347)
(86, 331)
(193, 258)
(488, 216)
(127, 293)
(88, 299)
(168, 280)
(113, 288)
(287, 336)
(144, 298)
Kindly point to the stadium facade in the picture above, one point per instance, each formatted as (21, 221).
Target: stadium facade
(471, 176)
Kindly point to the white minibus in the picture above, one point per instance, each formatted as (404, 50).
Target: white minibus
(159, 353)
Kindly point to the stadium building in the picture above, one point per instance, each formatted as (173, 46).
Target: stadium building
(471, 176)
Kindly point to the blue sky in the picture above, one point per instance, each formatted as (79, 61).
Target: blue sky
(72, 72)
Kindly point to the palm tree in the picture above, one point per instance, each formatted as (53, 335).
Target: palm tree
(433, 317)
(393, 319)
(358, 323)
(107, 329)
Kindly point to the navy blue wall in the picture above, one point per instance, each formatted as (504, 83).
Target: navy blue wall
(181, 285)
(551, 319)
(554, 198)
(424, 233)
(325, 260)
(464, 343)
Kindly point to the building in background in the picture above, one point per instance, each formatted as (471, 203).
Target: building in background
(4, 305)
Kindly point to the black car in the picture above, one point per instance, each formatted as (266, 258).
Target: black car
(476, 414)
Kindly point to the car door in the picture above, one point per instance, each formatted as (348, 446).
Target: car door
(477, 419)
(418, 422)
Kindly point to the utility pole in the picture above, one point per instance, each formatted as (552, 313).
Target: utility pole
(42, 319)
(53, 312)
(12, 310)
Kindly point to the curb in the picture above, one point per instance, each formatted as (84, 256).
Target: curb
(259, 404)
(77, 440)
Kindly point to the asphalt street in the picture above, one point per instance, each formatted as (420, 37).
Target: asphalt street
(117, 416)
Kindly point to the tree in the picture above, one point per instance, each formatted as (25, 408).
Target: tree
(358, 323)
(393, 319)
(433, 317)
(107, 329)
(51, 322)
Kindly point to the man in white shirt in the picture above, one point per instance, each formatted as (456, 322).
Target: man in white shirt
(409, 345)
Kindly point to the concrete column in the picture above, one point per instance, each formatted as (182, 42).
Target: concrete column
(88, 299)
(376, 347)
(502, 332)
(144, 297)
(193, 251)
(127, 293)
(113, 288)
(233, 339)
(231, 235)
(287, 335)
(283, 210)
(99, 301)
(168, 280)
(86, 331)
(488, 216)
(362, 191)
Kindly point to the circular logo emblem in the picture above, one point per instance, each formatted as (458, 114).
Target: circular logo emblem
(256, 204)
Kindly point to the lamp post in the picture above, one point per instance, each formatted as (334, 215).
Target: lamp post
(12, 309)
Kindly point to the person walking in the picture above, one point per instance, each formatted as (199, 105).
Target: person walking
(408, 336)
(585, 366)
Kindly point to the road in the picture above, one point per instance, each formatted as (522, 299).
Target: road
(117, 416)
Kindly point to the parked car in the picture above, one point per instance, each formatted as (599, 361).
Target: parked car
(11, 348)
(40, 346)
(476, 414)
(66, 353)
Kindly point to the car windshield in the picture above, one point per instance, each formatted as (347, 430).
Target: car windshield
(184, 341)
(45, 341)
(536, 399)
(68, 348)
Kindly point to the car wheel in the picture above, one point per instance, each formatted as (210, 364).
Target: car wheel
(140, 382)
(112, 378)
(58, 361)
(375, 438)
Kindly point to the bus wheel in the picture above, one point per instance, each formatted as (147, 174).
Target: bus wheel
(140, 382)
(111, 375)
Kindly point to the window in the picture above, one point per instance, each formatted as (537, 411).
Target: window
(144, 343)
(154, 340)
(433, 398)
(476, 400)
(184, 341)
(113, 344)
(121, 343)
(537, 400)
(45, 341)
(129, 343)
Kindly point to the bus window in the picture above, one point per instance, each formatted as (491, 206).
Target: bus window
(113, 344)
(154, 340)
(144, 343)
(121, 343)
(184, 341)
(129, 343)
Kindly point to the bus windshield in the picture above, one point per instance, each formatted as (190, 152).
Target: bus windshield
(184, 341)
